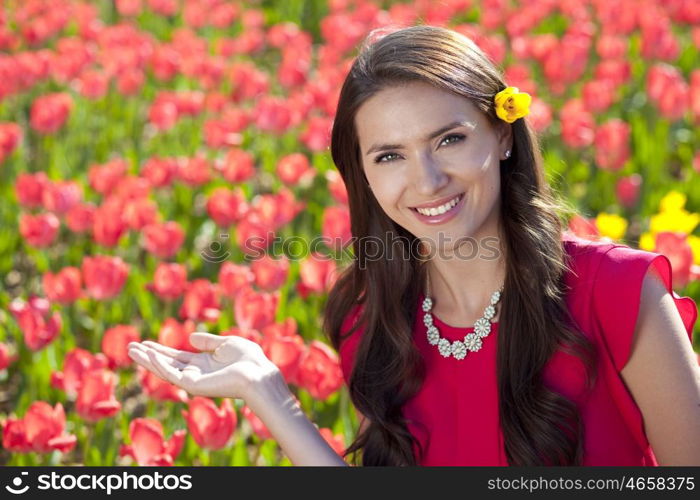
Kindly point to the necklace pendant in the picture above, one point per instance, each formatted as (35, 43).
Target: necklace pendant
(459, 350)
(445, 347)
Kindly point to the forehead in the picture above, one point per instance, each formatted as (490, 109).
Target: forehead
(410, 111)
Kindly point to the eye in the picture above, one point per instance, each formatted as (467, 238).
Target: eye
(379, 159)
(457, 137)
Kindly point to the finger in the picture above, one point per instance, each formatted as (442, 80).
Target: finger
(165, 370)
(184, 356)
(140, 356)
(166, 358)
(206, 341)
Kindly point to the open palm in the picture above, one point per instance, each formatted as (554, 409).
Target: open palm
(228, 366)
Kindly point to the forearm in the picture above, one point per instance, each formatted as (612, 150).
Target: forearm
(275, 405)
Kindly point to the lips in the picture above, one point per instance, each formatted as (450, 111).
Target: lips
(434, 204)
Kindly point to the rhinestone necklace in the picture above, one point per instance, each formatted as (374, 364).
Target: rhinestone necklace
(472, 341)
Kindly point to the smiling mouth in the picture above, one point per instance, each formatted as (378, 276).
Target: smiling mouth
(443, 209)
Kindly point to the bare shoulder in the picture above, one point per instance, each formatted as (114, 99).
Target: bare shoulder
(663, 376)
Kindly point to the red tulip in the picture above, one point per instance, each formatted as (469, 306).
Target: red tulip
(148, 445)
(130, 81)
(317, 136)
(50, 112)
(271, 114)
(317, 273)
(177, 335)
(257, 425)
(627, 190)
(104, 178)
(616, 71)
(252, 335)
(92, 84)
(319, 370)
(598, 95)
(96, 396)
(255, 310)
(285, 352)
(295, 169)
(336, 186)
(201, 302)
(39, 326)
(696, 162)
(129, 8)
(140, 212)
(583, 227)
(270, 274)
(160, 172)
(577, 124)
(276, 210)
(211, 427)
(114, 344)
(158, 389)
(104, 276)
(76, 364)
(286, 328)
(39, 230)
(253, 235)
(109, 223)
(81, 218)
(233, 278)
(169, 281)
(226, 129)
(335, 226)
(29, 189)
(226, 206)
(675, 246)
(194, 171)
(6, 359)
(163, 239)
(612, 144)
(10, 137)
(41, 430)
(335, 441)
(64, 286)
(237, 166)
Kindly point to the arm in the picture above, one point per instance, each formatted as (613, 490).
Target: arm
(295, 433)
(234, 367)
(663, 377)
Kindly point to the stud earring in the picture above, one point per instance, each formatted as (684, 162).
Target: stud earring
(507, 154)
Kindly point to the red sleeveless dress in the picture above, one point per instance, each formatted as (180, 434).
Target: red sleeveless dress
(455, 413)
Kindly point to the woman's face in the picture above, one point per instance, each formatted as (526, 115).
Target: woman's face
(420, 144)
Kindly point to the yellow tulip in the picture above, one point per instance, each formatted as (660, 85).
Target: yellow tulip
(679, 221)
(673, 201)
(512, 104)
(647, 241)
(611, 225)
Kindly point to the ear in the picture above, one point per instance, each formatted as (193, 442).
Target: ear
(504, 132)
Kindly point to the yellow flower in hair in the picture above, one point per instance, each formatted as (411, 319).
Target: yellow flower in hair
(512, 104)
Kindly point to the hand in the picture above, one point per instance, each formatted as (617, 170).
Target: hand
(229, 366)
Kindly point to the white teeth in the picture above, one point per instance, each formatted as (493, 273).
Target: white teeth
(438, 210)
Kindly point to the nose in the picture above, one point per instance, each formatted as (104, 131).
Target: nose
(430, 176)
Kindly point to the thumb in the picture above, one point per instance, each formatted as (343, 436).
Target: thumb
(206, 341)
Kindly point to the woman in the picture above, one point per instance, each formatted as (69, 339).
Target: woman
(480, 333)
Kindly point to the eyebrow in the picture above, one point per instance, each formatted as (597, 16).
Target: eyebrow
(441, 130)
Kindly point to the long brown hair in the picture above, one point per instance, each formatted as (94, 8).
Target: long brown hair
(539, 425)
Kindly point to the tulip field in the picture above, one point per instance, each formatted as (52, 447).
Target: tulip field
(165, 166)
